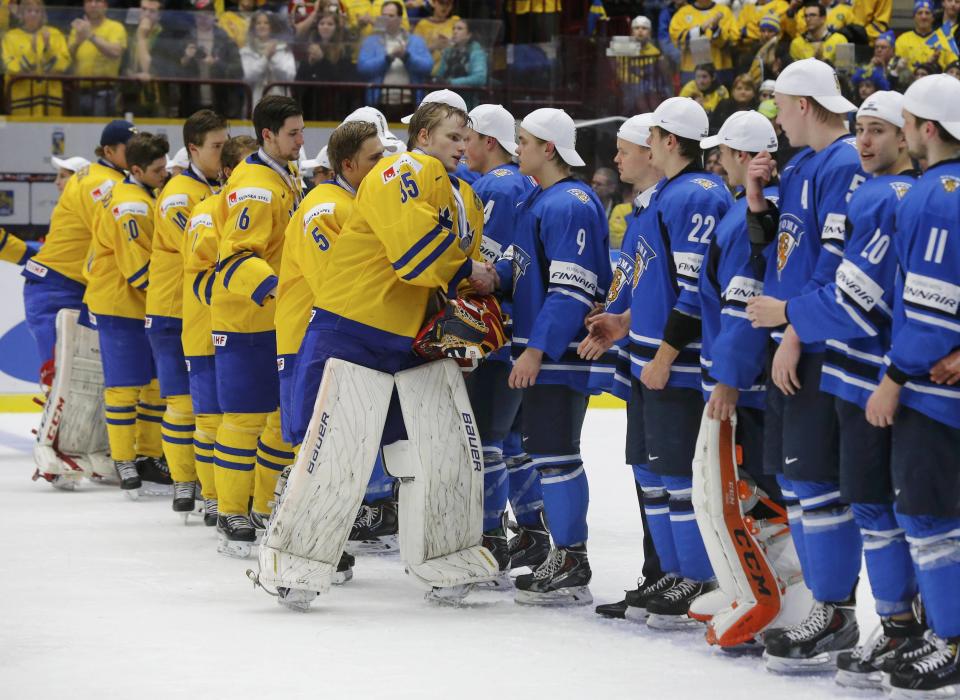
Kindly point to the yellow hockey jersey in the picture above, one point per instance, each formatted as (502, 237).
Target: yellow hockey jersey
(309, 237)
(686, 25)
(118, 271)
(200, 247)
(24, 52)
(873, 15)
(12, 249)
(174, 205)
(72, 222)
(262, 195)
(411, 233)
(838, 17)
(803, 47)
(920, 49)
(751, 14)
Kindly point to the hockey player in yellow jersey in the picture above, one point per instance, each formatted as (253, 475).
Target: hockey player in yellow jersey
(705, 18)
(54, 276)
(204, 134)
(414, 230)
(118, 274)
(200, 246)
(261, 196)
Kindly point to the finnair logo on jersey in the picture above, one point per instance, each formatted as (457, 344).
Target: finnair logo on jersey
(858, 286)
(101, 190)
(135, 208)
(791, 231)
(931, 293)
(490, 249)
(201, 220)
(742, 289)
(257, 194)
(644, 255)
(175, 200)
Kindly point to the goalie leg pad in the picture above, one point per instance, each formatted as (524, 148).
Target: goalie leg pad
(889, 567)
(441, 470)
(311, 522)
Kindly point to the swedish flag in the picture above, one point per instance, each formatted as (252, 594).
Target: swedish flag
(598, 13)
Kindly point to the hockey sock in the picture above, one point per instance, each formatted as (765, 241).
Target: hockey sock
(691, 552)
(380, 485)
(177, 433)
(657, 509)
(889, 567)
(234, 454)
(935, 549)
(526, 492)
(203, 439)
(496, 486)
(794, 518)
(565, 497)
(150, 410)
(121, 413)
(831, 540)
(273, 456)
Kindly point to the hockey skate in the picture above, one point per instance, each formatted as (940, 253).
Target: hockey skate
(813, 645)
(496, 541)
(374, 530)
(863, 667)
(130, 481)
(634, 604)
(155, 475)
(936, 675)
(561, 580)
(669, 609)
(185, 501)
(529, 547)
(236, 535)
(259, 522)
(210, 512)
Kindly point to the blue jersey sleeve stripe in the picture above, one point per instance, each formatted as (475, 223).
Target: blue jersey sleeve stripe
(138, 274)
(208, 289)
(417, 247)
(430, 259)
(233, 268)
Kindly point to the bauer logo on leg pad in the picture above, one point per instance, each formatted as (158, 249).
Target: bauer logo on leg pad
(318, 443)
(473, 439)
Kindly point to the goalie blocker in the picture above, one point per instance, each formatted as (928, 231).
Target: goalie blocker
(439, 464)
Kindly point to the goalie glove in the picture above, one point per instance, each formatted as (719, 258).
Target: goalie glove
(467, 328)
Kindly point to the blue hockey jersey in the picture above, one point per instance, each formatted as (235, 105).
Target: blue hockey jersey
(733, 352)
(853, 313)
(926, 326)
(672, 238)
(815, 188)
(554, 271)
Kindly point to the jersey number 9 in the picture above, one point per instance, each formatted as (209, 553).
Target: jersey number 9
(408, 188)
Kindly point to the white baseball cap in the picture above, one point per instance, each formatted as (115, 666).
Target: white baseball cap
(556, 126)
(72, 164)
(641, 21)
(447, 97)
(495, 121)
(812, 78)
(321, 161)
(374, 116)
(744, 131)
(181, 159)
(937, 98)
(768, 85)
(883, 104)
(682, 117)
(636, 129)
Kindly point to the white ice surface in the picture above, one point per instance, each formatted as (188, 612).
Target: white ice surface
(101, 597)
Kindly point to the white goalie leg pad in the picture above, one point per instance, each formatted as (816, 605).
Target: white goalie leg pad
(440, 467)
(311, 522)
(72, 438)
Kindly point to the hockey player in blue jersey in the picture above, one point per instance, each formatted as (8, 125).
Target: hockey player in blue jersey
(800, 425)
(635, 167)
(508, 473)
(925, 415)
(555, 270)
(853, 315)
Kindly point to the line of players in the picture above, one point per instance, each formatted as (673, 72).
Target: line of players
(686, 290)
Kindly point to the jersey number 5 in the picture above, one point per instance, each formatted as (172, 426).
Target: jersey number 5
(408, 188)
(321, 240)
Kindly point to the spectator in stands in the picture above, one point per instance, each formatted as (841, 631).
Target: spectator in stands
(267, 57)
(417, 9)
(144, 99)
(767, 88)
(868, 82)
(885, 66)
(711, 162)
(922, 45)
(35, 47)
(667, 47)
(237, 23)
(638, 75)
(392, 56)
(954, 70)
(818, 41)
(873, 16)
(950, 25)
(437, 29)
(203, 51)
(328, 59)
(533, 21)
(705, 88)
(922, 70)
(464, 62)
(96, 46)
(364, 16)
(751, 37)
(704, 19)
(837, 15)
(743, 96)
(606, 183)
(772, 42)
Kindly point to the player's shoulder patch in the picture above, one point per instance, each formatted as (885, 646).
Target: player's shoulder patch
(134, 208)
(502, 172)
(705, 183)
(901, 188)
(243, 194)
(950, 183)
(174, 201)
(393, 170)
(319, 210)
(579, 194)
(102, 190)
(201, 220)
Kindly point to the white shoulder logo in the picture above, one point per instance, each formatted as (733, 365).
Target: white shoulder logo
(258, 194)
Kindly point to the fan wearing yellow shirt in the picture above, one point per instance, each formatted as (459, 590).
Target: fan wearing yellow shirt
(705, 18)
(819, 41)
(237, 23)
(200, 247)
(54, 276)
(204, 134)
(362, 15)
(96, 46)
(261, 196)
(437, 29)
(923, 44)
(35, 47)
(118, 274)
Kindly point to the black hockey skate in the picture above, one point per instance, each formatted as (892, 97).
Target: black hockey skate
(496, 541)
(561, 580)
(344, 571)
(863, 667)
(936, 675)
(210, 512)
(130, 481)
(914, 649)
(529, 547)
(668, 609)
(375, 528)
(259, 522)
(184, 498)
(236, 535)
(634, 603)
(155, 475)
(813, 645)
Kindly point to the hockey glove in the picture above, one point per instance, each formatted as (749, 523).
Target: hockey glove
(467, 328)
